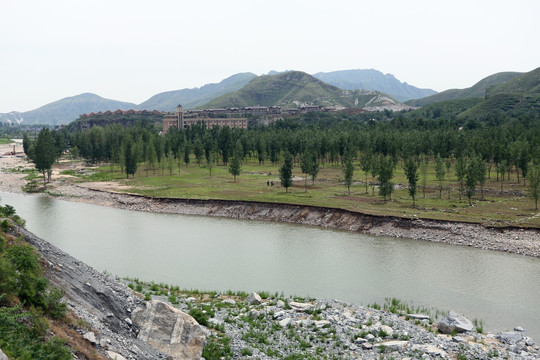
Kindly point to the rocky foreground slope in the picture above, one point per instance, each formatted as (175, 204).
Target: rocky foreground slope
(127, 327)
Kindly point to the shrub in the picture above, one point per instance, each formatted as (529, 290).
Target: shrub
(200, 316)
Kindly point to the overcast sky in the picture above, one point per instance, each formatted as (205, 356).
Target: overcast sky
(130, 50)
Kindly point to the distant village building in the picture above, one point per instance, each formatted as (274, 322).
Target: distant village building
(233, 117)
(182, 120)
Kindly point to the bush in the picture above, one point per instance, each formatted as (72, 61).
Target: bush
(19, 331)
(200, 316)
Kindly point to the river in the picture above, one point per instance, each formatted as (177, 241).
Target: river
(228, 254)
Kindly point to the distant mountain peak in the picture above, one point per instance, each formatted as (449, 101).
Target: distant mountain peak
(294, 89)
(371, 79)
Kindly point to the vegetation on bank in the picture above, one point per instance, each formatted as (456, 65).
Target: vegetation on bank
(260, 335)
(34, 322)
(467, 171)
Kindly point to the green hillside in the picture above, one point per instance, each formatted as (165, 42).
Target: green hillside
(293, 89)
(478, 90)
(504, 105)
(447, 109)
(528, 83)
(191, 98)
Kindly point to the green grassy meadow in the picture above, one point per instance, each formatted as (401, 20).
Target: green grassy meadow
(510, 208)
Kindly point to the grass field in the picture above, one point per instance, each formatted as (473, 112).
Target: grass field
(509, 207)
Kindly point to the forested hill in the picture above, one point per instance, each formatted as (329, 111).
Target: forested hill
(295, 88)
(478, 90)
(489, 99)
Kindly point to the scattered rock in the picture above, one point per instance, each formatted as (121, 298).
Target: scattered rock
(297, 306)
(418, 316)
(454, 322)
(254, 314)
(254, 299)
(280, 304)
(169, 330)
(387, 329)
(367, 346)
(510, 337)
(321, 323)
(285, 322)
(91, 337)
(519, 328)
(394, 345)
(115, 356)
(229, 301)
(430, 349)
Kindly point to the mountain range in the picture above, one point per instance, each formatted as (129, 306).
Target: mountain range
(68, 109)
(505, 92)
(295, 88)
(373, 80)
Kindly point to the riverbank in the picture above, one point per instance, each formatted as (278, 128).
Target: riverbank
(512, 240)
(524, 241)
(265, 326)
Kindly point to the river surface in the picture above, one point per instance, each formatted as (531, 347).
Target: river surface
(226, 254)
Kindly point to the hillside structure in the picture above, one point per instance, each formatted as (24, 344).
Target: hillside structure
(234, 117)
(181, 120)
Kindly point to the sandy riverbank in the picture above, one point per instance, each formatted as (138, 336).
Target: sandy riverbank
(513, 240)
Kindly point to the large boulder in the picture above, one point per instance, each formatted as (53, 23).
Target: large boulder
(169, 330)
(454, 322)
(510, 337)
(254, 299)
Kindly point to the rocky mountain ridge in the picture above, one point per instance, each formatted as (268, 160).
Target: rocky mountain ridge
(373, 80)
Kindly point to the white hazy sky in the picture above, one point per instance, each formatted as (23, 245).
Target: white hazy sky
(130, 50)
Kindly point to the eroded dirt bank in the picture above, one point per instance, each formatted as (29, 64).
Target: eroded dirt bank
(513, 240)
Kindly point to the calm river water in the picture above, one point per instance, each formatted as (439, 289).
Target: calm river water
(221, 254)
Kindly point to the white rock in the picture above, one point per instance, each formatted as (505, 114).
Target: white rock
(279, 314)
(285, 322)
(303, 322)
(395, 345)
(90, 336)
(321, 323)
(254, 299)
(430, 349)
(454, 322)
(115, 356)
(128, 320)
(280, 304)
(254, 314)
(418, 316)
(387, 329)
(510, 337)
(297, 306)
(229, 301)
(3, 356)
